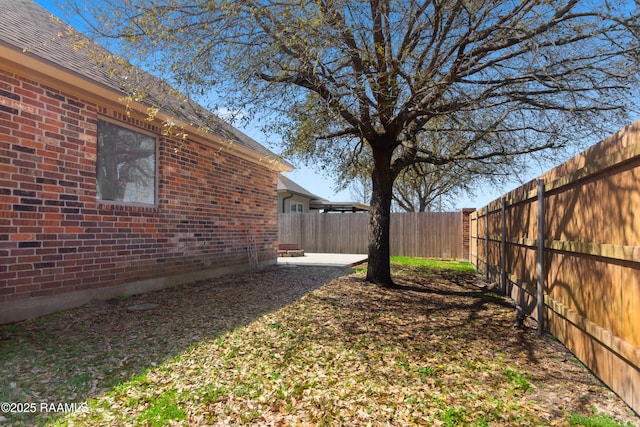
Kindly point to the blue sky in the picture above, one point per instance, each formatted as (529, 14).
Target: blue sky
(314, 181)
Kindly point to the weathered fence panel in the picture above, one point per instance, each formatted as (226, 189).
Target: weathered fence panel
(324, 233)
(423, 234)
(427, 234)
(588, 260)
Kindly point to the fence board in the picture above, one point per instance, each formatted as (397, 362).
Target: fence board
(590, 254)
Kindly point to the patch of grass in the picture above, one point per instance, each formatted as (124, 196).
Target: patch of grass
(425, 264)
(452, 417)
(360, 269)
(427, 371)
(162, 410)
(434, 263)
(595, 420)
(517, 380)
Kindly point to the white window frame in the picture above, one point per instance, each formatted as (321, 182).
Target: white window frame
(296, 207)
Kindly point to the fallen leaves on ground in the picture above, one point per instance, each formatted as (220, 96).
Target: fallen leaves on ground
(302, 346)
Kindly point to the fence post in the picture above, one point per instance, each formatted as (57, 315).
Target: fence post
(477, 240)
(503, 243)
(486, 243)
(540, 293)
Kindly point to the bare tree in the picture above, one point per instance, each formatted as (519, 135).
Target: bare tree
(504, 77)
(417, 188)
(360, 188)
(420, 186)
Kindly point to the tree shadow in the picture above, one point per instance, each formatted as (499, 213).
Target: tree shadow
(81, 353)
(462, 303)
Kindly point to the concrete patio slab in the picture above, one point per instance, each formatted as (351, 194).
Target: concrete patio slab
(324, 260)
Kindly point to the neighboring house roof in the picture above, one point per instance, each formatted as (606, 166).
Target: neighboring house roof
(29, 31)
(288, 186)
(285, 185)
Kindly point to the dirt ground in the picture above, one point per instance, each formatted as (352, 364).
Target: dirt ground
(82, 353)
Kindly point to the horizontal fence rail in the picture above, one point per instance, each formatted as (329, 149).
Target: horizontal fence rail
(566, 248)
(420, 234)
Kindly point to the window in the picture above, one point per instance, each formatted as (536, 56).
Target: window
(126, 165)
(296, 207)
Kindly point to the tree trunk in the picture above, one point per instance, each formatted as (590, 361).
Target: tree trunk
(379, 267)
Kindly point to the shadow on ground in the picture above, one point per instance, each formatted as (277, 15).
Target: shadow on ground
(80, 353)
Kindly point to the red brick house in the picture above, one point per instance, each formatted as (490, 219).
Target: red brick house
(96, 200)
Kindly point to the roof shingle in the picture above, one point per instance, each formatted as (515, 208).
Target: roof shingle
(26, 26)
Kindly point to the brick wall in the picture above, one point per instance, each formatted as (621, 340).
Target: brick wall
(56, 237)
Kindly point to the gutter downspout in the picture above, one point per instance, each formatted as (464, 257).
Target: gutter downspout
(284, 199)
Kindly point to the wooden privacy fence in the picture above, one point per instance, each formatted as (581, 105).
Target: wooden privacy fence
(423, 234)
(566, 248)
